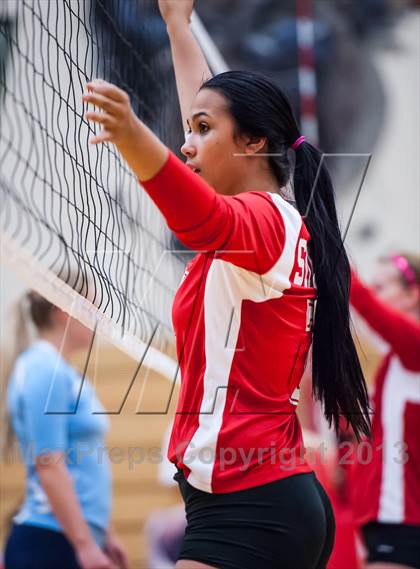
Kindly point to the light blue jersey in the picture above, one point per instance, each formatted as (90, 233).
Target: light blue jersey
(53, 409)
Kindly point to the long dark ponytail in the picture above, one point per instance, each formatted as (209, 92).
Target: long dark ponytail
(337, 375)
(261, 109)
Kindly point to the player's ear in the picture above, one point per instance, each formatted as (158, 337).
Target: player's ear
(255, 144)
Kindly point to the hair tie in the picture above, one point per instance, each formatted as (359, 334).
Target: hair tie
(404, 267)
(298, 142)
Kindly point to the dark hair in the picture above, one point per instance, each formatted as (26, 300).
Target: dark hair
(40, 310)
(261, 109)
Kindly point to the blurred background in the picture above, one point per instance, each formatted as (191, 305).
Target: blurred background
(355, 84)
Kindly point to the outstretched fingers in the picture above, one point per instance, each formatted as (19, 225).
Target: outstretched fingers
(103, 136)
(101, 118)
(112, 111)
(110, 91)
(108, 123)
(103, 102)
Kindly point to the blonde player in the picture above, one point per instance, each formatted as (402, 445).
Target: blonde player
(63, 522)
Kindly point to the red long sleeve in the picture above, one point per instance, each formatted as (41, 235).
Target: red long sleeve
(246, 230)
(401, 332)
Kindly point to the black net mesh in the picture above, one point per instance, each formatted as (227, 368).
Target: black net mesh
(70, 209)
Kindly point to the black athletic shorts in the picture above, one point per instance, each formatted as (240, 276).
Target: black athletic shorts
(32, 547)
(286, 524)
(392, 543)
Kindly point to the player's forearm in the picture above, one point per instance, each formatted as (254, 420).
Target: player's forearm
(191, 68)
(143, 152)
(58, 486)
(399, 331)
(185, 199)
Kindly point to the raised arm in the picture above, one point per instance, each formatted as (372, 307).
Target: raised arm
(401, 332)
(202, 219)
(190, 65)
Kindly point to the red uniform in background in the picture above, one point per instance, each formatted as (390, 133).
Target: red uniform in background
(386, 476)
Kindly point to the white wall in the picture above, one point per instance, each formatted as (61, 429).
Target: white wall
(391, 194)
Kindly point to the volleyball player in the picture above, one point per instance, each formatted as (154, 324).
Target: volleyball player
(244, 312)
(385, 479)
(63, 522)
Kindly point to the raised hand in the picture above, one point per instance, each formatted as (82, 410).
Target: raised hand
(178, 11)
(116, 116)
(143, 151)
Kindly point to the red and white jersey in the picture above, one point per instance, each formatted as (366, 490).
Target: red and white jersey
(243, 319)
(385, 481)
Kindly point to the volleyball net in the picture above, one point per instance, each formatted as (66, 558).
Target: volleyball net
(75, 225)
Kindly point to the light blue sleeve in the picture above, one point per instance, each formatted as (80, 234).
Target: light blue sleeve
(46, 404)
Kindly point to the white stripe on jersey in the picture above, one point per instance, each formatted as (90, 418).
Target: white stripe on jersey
(222, 314)
(401, 386)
